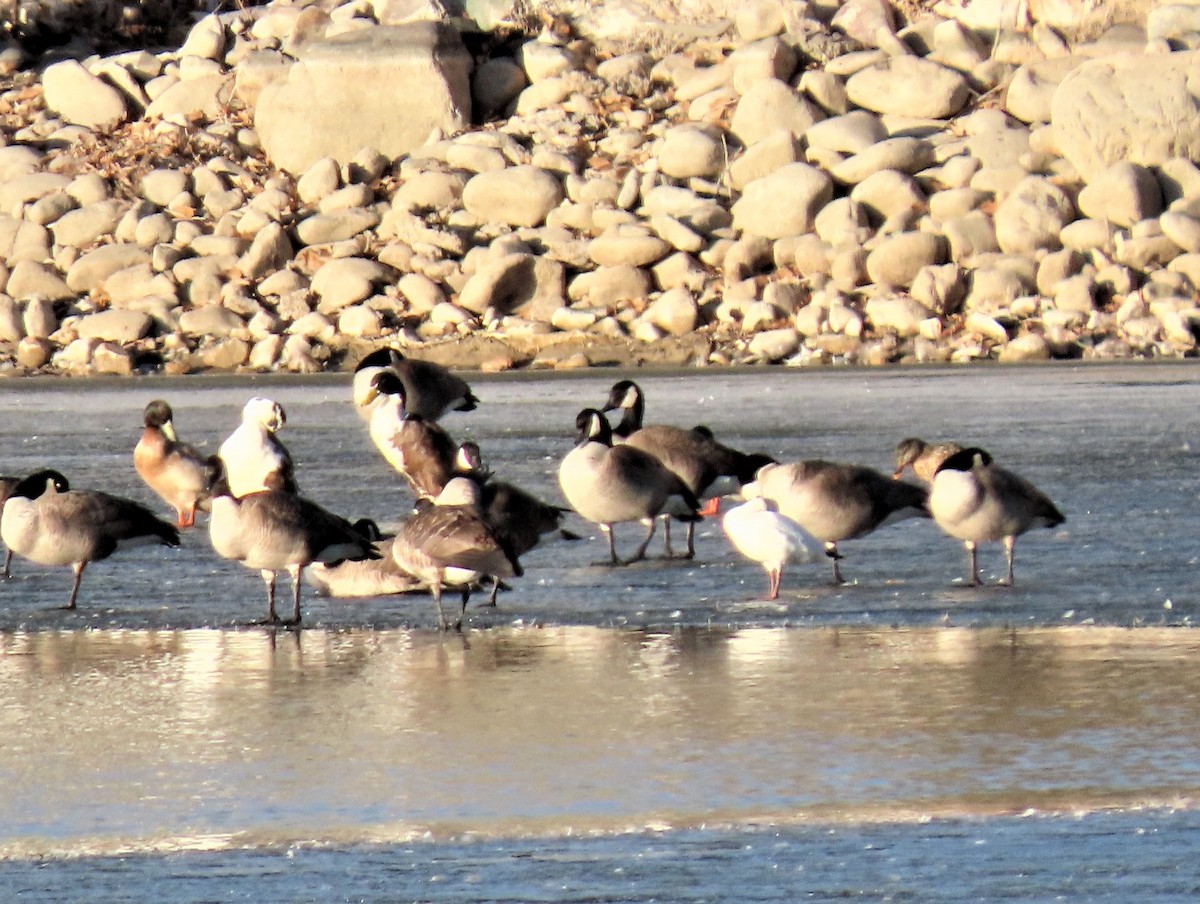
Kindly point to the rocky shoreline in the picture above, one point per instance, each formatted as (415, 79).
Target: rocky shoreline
(789, 183)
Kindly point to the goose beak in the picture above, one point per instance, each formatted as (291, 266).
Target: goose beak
(370, 395)
(168, 430)
(711, 508)
(899, 472)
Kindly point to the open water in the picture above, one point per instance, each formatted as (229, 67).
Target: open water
(650, 733)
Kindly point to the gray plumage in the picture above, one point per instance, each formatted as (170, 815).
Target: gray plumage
(448, 543)
(976, 501)
(274, 531)
(836, 502)
(610, 484)
(47, 522)
(707, 467)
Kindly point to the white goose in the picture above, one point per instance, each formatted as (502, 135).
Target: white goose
(253, 457)
(760, 533)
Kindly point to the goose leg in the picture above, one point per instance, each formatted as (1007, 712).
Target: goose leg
(832, 552)
(268, 577)
(691, 541)
(294, 570)
(436, 587)
(774, 579)
(667, 550)
(640, 553)
(495, 590)
(7, 573)
(79, 566)
(462, 613)
(187, 517)
(973, 552)
(1010, 546)
(612, 543)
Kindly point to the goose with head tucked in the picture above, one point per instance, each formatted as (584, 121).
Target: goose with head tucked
(834, 502)
(276, 530)
(610, 484)
(420, 450)
(924, 458)
(709, 468)
(356, 578)
(174, 470)
(449, 543)
(977, 501)
(252, 456)
(47, 522)
(760, 533)
(430, 390)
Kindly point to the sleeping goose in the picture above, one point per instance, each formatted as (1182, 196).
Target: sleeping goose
(356, 578)
(519, 517)
(430, 389)
(976, 501)
(760, 533)
(708, 468)
(420, 450)
(449, 544)
(174, 470)
(253, 457)
(274, 530)
(924, 458)
(609, 484)
(47, 522)
(836, 502)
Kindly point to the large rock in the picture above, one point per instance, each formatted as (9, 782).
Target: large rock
(386, 88)
(784, 203)
(909, 86)
(81, 98)
(1130, 108)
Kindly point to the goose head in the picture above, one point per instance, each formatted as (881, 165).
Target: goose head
(966, 460)
(468, 460)
(40, 482)
(624, 394)
(592, 427)
(381, 357)
(386, 383)
(907, 452)
(266, 413)
(158, 415)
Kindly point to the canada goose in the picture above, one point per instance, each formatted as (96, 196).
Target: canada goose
(609, 484)
(364, 577)
(253, 457)
(7, 485)
(976, 501)
(275, 530)
(448, 543)
(708, 468)
(47, 522)
(430, 389)
(836, 502)
(420, 450)
(519, 517)
(174, 470)
(760, 533)
(924, 458)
